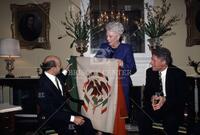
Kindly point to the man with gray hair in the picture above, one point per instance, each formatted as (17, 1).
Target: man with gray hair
(164, 94)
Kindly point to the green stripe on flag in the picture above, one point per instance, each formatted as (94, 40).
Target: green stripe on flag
(72, 74)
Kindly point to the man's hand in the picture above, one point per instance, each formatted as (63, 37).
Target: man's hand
(78, 120)
(67, 67)
(157, 102)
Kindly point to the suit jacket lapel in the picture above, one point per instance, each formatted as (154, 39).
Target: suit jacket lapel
(55, 89)
(167, 82)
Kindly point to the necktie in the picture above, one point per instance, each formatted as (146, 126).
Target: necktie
(160, 84)
(58, 86)
(159, 92)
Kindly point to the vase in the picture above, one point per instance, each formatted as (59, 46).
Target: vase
(81, 46)
(154, 42)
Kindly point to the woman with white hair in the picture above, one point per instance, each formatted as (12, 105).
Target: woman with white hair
(113, 48)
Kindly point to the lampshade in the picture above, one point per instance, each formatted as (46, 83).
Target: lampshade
(9, 48)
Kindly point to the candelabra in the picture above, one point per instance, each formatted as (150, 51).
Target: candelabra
(108, 16)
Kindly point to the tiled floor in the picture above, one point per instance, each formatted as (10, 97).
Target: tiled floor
(131, 128)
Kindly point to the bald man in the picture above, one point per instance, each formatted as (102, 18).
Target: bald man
(53, 108)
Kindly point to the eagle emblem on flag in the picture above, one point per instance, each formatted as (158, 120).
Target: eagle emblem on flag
(96, 92)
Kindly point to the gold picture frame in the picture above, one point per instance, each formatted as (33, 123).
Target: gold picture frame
(30, 25)
(193, 22)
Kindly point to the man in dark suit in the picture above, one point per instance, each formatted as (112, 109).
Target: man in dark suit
(53, 108)
(168, 106)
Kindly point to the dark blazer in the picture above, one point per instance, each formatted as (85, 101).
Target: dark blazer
(175, 89)
(123, 52)
(54, 109)
(51, 101)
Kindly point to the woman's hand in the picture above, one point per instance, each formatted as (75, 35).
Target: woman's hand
(120, 62)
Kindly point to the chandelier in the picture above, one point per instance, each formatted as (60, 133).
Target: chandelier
(113, 15)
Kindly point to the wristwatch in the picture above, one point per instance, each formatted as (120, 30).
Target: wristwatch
(197, 68)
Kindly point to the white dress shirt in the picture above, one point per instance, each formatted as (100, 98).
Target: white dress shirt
(53, 79)
(163, 77)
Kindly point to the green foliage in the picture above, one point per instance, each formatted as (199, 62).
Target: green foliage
(158, 23)
(78, 26)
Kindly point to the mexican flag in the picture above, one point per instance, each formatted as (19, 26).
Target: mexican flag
(96, 81)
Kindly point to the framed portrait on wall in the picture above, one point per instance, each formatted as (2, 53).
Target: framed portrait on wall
(30, 25)
(193, 22)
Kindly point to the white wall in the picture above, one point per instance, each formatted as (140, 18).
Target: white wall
(31, 59)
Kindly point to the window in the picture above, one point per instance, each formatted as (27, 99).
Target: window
(133, 9)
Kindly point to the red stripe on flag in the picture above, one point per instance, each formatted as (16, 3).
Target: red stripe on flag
(119, 127)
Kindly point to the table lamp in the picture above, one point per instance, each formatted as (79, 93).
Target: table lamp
(9, 49)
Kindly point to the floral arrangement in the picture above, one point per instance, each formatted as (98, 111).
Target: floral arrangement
(77, 25)
(195, 65)
(192, 62)
(158, 24)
